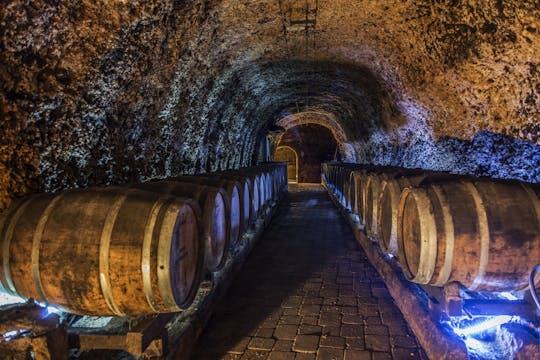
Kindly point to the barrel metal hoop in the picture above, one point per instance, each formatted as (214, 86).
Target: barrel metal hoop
(9, 285)
(449, 235)
(167, 233)
(146, 253)
(483, 227)
(104, 247)
(36, 244)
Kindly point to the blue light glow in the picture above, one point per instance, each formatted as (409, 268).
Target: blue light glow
(508, 296)
(10, 335)
(52, 310)
(483, 326)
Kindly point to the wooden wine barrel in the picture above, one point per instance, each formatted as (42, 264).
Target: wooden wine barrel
(342, 182)
(214, 217)
(234, 196)
(483, 234)
(387, 210)
(253, 188)
(372, 192)
(358, 184)
(374, 181)
(263, 195)
(278, 176)
(259, 180)
(110, 251)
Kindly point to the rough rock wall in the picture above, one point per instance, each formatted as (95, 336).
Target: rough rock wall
(100, 92)
(84, 92)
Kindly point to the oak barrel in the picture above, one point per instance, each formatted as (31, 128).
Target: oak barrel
(214, 216)
(259, 187)
(387, 210)
(253, 188)
(484, 234)
(109, 251)
(234, 194)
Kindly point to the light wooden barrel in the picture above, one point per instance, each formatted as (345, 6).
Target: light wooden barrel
(214, 216)
(358, 185)
(111, 251)
(234, 192)
(341, 181)
(372, 191)
(387, 210)
(374, 181)
(483, 234)
(362, 178)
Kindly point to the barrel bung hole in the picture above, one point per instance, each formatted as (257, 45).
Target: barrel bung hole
(411, 234)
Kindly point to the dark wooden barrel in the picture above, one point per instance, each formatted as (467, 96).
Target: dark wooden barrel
(253, 188)
(484, 234)
(262, 190)
(278, 177)
(234, 192)
(214, 217)
(259, 181)
(112, 251)
(269, 186)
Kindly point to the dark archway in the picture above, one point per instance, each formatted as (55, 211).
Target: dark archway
(313, 144)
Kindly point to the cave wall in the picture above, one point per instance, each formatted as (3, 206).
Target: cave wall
(314, 144)
(99, 92)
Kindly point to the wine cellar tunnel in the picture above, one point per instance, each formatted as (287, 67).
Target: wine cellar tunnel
(149, 208)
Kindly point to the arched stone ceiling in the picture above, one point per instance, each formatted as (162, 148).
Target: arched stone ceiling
(100, 92)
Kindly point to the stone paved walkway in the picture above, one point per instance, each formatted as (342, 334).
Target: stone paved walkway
(307, 291)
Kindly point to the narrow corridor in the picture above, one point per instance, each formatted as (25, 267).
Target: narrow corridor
(307, 291)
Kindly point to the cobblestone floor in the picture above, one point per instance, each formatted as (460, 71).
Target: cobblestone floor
(307, 291)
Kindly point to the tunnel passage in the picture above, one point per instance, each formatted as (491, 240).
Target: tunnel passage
(109, 93)
(313, 144)
(308, 290)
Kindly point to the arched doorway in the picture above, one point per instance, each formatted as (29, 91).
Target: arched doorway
(313, 144)
(288, 155)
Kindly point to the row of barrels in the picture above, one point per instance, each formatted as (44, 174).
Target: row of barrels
(134, 249)
(442, 228)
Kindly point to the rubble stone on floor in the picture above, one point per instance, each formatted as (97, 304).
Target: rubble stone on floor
(307, 291)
